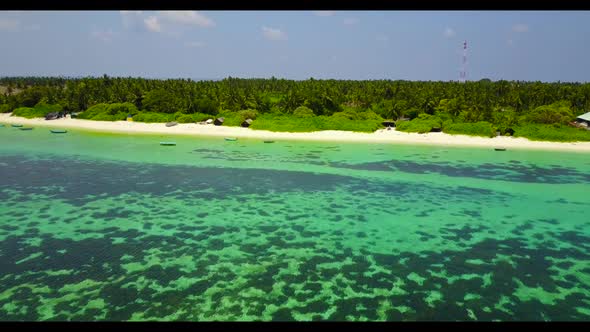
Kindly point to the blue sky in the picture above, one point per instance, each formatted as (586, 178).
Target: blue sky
(409, 45)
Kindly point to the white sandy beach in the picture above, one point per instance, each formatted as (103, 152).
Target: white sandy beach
(380, 136)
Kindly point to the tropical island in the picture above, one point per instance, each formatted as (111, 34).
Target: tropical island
(533, 110)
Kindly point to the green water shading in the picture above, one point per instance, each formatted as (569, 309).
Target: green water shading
(116, 227)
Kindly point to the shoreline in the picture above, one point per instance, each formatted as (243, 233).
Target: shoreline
(380, 136)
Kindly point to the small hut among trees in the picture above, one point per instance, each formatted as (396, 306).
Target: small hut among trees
(247, 123)
(218, 121)
(584, 120)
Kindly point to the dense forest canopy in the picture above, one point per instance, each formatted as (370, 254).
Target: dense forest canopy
(321, 104)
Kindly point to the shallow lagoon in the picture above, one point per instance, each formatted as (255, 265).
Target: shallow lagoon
(100, 226)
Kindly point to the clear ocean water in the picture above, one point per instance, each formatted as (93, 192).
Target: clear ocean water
(97, 226)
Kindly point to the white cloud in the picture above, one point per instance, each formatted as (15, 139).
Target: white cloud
(9, 24)
(105, 36)
(520, 27)
(324, 12)
(449, 33)
(194, 44)
(165, 20)
(350, 21)
(189, 17)
(153, 24)
(273, 34)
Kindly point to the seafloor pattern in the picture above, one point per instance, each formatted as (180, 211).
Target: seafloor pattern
(93, 239)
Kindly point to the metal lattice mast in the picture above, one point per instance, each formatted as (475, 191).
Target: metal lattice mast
(463, 73)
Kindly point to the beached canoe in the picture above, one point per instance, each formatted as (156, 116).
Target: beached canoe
(269, 141)
(25, 128)
(17, 125)
(231, 139)
(58, 131)
(168, 143)
(500, 149)
(171, 124)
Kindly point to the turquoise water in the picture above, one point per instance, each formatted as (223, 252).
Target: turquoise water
(116, 227)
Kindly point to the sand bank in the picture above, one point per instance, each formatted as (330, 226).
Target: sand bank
(380, 136)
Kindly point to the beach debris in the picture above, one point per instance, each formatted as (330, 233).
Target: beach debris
(52, 116)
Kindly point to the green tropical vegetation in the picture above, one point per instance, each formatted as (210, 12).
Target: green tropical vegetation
(38, 111)
(535, 110)
(422, 124)
(556, 132)
(481, 128)
(109, 112)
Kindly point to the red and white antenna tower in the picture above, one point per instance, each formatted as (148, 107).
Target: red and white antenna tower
(463, 73)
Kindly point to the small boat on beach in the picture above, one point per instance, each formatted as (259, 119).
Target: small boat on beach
(171, 124)
(58, 131)
(25, 128)
(17, 125)
(168, 143)
(231, 139)
(267, 141)
(500, 149)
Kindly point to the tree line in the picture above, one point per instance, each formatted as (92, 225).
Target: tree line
(501, 103)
